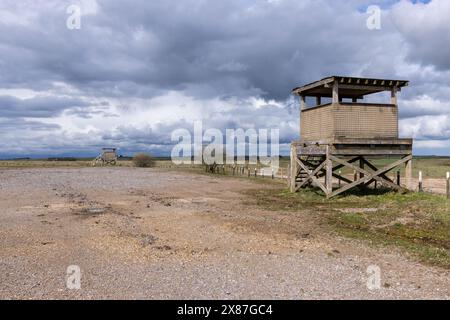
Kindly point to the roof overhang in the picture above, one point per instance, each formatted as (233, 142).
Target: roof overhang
(349, 87)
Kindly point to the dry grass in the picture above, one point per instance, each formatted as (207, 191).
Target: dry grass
(419, 223)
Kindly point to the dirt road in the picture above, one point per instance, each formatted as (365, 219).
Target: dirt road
(150, 233)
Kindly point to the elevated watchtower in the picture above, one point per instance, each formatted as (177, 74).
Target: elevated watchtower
(347, 133)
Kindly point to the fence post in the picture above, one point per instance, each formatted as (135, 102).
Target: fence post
(256, 172)
(448, 185)
(420, 182)
(398, 177)
(273, 174)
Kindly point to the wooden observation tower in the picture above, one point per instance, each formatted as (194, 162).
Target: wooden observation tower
(347, 134)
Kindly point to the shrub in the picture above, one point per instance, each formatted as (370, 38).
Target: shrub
(143, 160)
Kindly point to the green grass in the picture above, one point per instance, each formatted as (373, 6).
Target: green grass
(418, 223)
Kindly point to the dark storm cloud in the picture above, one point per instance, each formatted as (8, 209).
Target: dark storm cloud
(41, 107)
(221, 48)
(210, 51)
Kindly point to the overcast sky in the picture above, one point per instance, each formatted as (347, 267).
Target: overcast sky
(137, 70)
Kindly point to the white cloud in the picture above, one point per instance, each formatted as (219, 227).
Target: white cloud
(134, 72)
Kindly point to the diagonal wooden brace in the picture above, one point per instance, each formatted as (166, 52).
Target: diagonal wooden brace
(369, 176)
(311, 176)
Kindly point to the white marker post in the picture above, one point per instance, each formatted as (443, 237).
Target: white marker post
(420, 182)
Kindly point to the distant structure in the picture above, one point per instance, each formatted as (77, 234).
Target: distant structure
(345, 134)
(107, 157)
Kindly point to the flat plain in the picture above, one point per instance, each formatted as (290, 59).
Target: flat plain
(162, 233)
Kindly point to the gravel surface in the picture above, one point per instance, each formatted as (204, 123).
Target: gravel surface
(155, 234)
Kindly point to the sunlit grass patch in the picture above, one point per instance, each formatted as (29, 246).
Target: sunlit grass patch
(418, 223)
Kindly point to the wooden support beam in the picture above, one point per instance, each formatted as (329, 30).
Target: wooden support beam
(340, 166)
(302, 102)
(366, 87)
(313, 178)
(340, 177)
(329, 174)
(361, 165)
(394, 95)
(335, 93)
(408, 174)
(310, 176)
(293, 168)
(369, 176)
(371, 166)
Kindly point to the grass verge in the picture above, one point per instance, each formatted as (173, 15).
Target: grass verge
(418, 223)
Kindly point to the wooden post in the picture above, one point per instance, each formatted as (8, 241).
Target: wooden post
(302, 102)
(329, 174)
(256, 171)
(408, 174)
(394, 96)
(448, 185)
(355, 175)
(361, 165)
(335, 93)
(398, 177)
(293, 171)
(273, 174)
(420, 182)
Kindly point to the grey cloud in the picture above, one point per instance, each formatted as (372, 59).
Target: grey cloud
(11, 126)
(426, 31)
(41, 107)
(222, 49)
(229, 47)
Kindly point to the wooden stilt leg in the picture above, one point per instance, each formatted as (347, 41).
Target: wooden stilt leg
(329, 174)
(361, 165)
(408, 174)
(318, 164)
(294, 166)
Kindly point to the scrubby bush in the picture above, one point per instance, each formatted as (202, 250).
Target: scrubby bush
(143, 160)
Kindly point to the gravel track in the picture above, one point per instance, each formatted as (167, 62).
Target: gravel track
(156, 234)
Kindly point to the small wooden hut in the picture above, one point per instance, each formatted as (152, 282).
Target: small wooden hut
(348, 133)
(107, 157)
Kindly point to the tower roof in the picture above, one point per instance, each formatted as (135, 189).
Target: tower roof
(349, 87)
